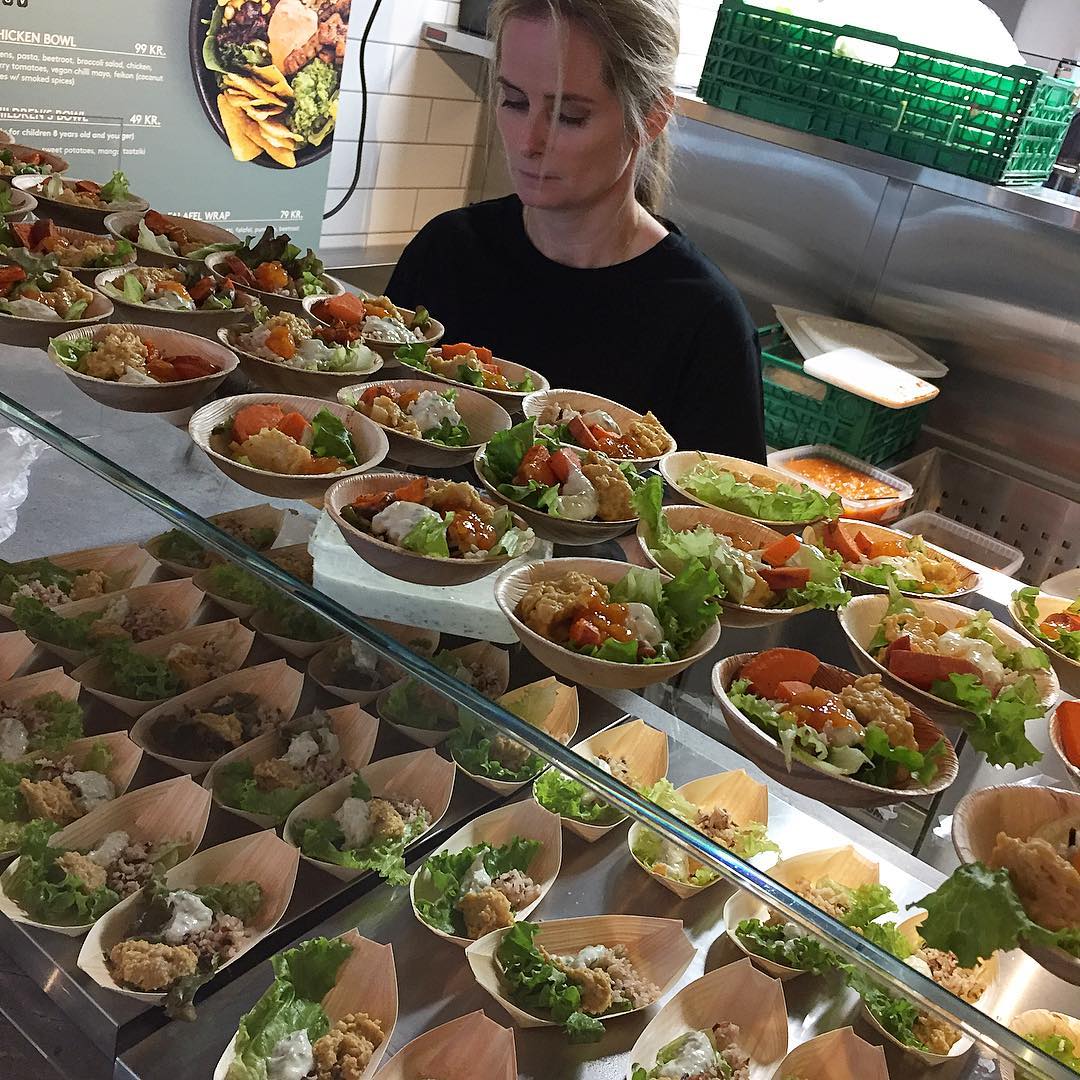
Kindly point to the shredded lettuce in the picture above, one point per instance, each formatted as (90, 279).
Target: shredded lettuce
(719, 487)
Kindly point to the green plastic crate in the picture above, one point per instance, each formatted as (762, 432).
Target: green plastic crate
(1002, 125)
(801, 410)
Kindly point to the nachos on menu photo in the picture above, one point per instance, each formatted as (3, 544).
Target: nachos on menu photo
(277, 65)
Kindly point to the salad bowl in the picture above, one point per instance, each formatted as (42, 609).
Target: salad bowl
(526, 820)
(282, 379)
(860, 619)
(369, 444)
(675, 467)
(150, 397)
(514, 583)
(37, 333)
(262, 857)
(392, 559)
(482, 416)
(816, 783)
(687, 518)
(124, 225)
(735, 994)
(582, 402)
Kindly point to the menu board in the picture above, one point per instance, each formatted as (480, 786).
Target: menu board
(222, 110)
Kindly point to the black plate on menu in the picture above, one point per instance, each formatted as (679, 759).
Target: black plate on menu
(207, 90)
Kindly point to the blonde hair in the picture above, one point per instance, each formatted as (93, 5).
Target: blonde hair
(639, 44)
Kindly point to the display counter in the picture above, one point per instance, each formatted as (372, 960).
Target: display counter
(111, 477)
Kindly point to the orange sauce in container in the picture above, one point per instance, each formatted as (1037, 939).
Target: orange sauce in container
(848, 483)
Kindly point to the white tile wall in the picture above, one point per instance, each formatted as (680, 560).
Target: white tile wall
(424, 117)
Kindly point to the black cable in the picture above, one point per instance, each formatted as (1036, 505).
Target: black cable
(363, 112)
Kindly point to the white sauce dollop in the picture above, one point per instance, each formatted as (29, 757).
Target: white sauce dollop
(430, 409)
(476, 877)
(382, 329)
(644, 624)
(696, 1055)
(354, 817)
(94, 788)
(302, 749)
(980, 653)
(291, 1058)
(188, 915)
(13, 739)
(578, 500)
(109, 849)
(399, 519)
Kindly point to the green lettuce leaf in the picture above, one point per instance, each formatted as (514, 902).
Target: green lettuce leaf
(236, 584)
(536, 985)
(896, 1015)
(44, 624)
(1067, 642)
(505, 449)
(1057, 1046)
(14, 575)
(136, 675)
(470, 746)
(241, 899)
(448, 434)
(771, 942)
(996, 726)
(720, 488)
(178, 547)
(888, 937)
(302, 978)
(234, 785)
(116, 189)
(330, 438)
(323, 840)
(868, 902)
(561, 794)
(428, 537)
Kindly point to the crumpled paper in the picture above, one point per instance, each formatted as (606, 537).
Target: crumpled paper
(18, 451)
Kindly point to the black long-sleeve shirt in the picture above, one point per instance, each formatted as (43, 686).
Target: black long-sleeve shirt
(664, 331)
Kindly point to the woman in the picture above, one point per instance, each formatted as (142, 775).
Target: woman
(575, 274)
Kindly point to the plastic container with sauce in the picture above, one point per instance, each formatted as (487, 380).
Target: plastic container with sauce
(851, 469)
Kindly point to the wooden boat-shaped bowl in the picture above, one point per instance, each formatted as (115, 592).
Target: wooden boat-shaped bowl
(481, 415)
(233, 641)
(36, 333)
(844, 865)
(275, 684)
(744, 799)
(79, 237)
(366, 982)
(356, 731)
(1017, 811)
(523, 819)
(180, 598)
(687, 518)
(738, 994)
(483, 654)
(658, 948)
(559, 530)
(321, 668)
(124, 566)
(175, 809)
(512, 585)
(674, 468)
(15, 652)
(276, 302)
(262, 857)
(539, 400)
(368, 440)
(766, 753)
(836, 1055)
(421, 774)
(986, 976)
(204, 579)
(391, 559)
(1068, 671)
(645, 751)
(263, 516)
(466, 1048)
(860, 619)
(125, 757)
(560, 723)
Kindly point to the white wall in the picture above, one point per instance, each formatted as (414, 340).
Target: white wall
(697, 19)
(1050, 27)
(424, 117)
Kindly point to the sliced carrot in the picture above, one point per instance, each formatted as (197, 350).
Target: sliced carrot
(1068, 715)
(252, 419)
(837, 540)
(779, 578)
(413, 491)
(863, 542)
(766, 671)
(779, 551)
(789, 691)
(563, 463)
(346, 306)
(580, 433)
(925, 669)
(295, 425)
